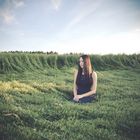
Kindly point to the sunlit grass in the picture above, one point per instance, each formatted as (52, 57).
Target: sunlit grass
(17, 87)
(38, 106)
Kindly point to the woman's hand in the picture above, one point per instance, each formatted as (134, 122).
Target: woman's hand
(80, 96)
(76, 98)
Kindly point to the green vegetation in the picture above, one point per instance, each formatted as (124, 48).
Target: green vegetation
(36, 94)
(21, 62)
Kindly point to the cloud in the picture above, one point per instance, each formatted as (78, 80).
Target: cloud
(84, 9)
(56, 4)
(18, 3)
(122, 42)
(137, 30)
(7, 10)
(7, 16)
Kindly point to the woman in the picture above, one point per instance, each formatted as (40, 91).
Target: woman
(85, 81)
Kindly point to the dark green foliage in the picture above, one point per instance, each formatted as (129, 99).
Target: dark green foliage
(51, 59)
(61, 61)
(21, 62)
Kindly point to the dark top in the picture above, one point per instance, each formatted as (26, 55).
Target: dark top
(84, 83)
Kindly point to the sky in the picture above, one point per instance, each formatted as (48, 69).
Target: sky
(64, 26)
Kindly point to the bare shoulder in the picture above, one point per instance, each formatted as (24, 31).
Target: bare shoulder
(94, 74)
(75, 72)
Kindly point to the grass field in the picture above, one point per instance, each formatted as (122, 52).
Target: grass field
(36, 105)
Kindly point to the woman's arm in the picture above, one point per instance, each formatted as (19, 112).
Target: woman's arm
(74, 85)
(93, 88)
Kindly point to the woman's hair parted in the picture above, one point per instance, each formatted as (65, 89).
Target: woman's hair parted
(87, 65)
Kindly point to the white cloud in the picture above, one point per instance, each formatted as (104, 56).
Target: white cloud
(137, 30)
(7, 10)
(127, 42)
(18, 3)
(81, 11)
(7, 16)
(56, 4)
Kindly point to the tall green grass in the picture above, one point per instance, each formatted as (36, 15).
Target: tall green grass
(20, 62)
(36, 98)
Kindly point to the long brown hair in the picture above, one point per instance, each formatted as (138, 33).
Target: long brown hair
(87, 69)
(87, 65)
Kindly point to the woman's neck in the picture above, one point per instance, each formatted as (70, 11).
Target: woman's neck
(83, 72)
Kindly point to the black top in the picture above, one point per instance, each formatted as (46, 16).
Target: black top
(84, 83)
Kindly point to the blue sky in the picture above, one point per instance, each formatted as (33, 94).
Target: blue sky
(86, 26)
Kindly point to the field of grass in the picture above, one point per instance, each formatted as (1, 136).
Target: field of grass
(21, 62)
(36, 105)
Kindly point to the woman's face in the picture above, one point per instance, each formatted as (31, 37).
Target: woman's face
(81, 62)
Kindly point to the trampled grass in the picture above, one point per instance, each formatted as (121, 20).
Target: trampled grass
(37, 106)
